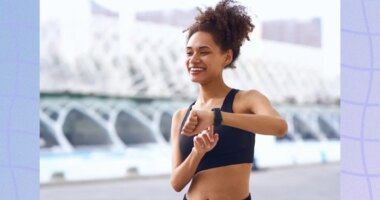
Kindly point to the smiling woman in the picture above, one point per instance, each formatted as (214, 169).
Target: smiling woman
(213, 140)
(204, 55)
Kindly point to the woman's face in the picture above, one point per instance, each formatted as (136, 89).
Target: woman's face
(204, 58)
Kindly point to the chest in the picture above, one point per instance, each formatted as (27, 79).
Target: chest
(239, 105)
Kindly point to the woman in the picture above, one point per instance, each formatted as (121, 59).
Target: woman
(213, 140)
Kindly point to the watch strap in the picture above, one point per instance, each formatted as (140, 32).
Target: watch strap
(217, 116)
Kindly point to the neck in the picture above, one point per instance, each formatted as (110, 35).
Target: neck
(213, 90)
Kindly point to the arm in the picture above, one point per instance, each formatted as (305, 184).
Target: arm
(258, 116)
(265, 119)
(183, 171)
(257, 123)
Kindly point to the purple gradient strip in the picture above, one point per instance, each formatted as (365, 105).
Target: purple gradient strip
(359, 184)
(19, 53)
(9, 121)
(364, 161)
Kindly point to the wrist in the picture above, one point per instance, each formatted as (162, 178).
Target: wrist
(197, 153)
(212, 114)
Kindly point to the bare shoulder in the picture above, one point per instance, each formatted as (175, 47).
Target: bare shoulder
(251, 101)
(177, 119)
(252, 94)
(179, 114)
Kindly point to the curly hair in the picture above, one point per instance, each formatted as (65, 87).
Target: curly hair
(228, 24)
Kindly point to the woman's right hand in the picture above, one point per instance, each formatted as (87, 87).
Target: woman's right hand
(206, 140)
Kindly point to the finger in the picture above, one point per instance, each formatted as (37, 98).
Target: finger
(199, 127)
(193, 116)
(206, 140)
(193, 119)
(189, 126)
(216, 135)
(208, 135)
(211, 133)
(187, 130)
(192, 123)
(198, 141)
(216, 139)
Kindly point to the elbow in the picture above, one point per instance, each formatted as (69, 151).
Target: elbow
(282, 129)
(177, 187)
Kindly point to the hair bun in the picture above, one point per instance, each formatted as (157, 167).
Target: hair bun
(228, 23)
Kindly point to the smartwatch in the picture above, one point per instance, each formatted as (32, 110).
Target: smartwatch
(217, 116)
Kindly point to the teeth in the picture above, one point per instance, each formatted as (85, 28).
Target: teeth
(197, 69)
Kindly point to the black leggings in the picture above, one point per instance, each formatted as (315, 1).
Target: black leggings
(247, 198)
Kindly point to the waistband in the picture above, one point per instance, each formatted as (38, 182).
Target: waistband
(247, 198)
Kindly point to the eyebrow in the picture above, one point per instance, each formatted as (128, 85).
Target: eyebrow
(201, 47)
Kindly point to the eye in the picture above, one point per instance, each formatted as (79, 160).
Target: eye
(204, 53)
(189, 53)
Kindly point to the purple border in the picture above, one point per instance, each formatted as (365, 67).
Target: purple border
(19, 99)
(360, 99)
(360, 127)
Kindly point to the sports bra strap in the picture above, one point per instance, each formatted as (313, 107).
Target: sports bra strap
(228, 101)
(187, 114)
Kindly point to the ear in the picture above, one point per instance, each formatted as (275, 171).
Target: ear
(229, 56)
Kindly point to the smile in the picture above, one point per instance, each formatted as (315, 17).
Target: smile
(197, 69)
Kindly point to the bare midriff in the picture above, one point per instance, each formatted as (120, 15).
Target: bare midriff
(229, 182)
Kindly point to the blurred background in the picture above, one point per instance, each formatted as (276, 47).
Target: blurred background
(112, 74)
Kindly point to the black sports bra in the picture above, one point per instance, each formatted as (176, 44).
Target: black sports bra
(235, 145)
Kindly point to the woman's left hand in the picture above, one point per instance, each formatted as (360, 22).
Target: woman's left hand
(197, 121)
(205, 141)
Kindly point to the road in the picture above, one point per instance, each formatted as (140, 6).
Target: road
(310, 182)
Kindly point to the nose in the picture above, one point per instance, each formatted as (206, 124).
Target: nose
(194, 58)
